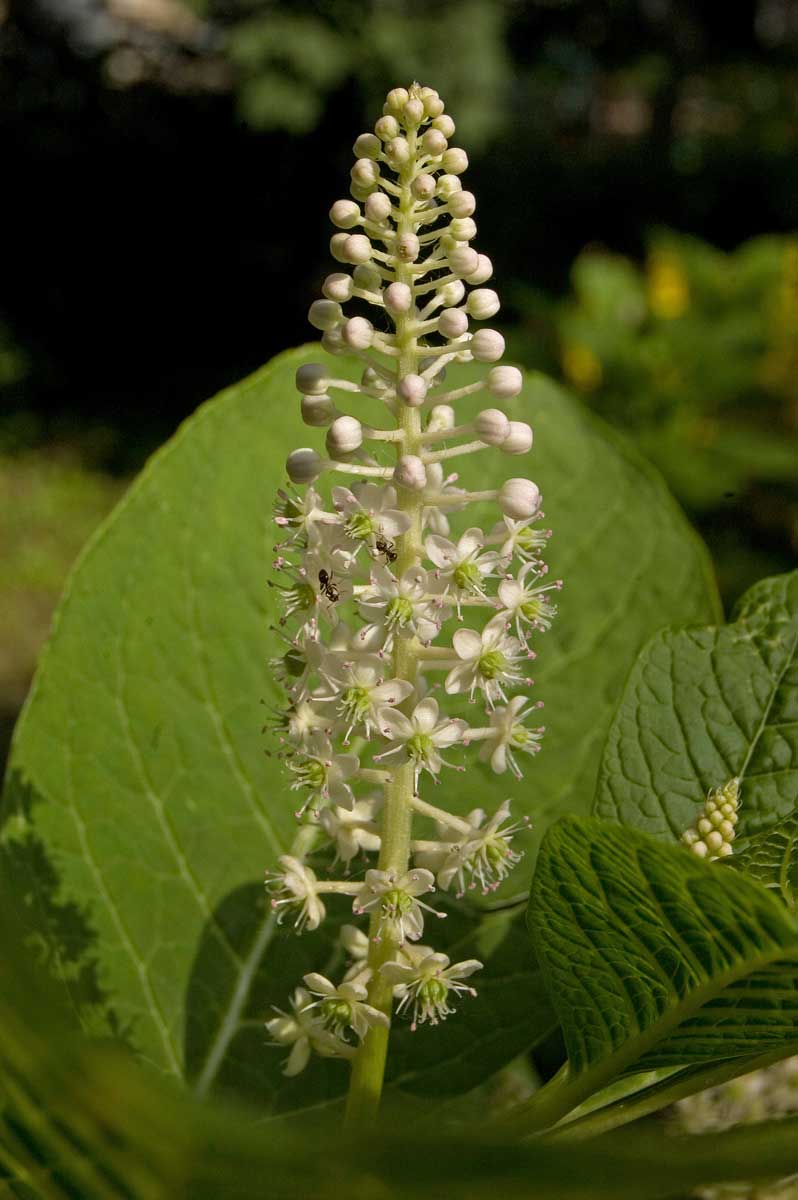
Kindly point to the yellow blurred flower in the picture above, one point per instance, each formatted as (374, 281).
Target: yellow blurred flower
(581, 367)
(668, 287)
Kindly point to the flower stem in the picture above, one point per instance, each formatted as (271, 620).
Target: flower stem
(368, 1069)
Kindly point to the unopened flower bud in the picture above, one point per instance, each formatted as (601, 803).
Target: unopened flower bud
(338, 287)
(482, 304)
(344, 436)
(318, 410)
(423, 186)
(448, 185)
(397, 151)
(407, 247)
(396, 100)
(345, 214)
(444, 123)
(462, 204)
(366, 277)
(519, 439)
(519, 499)
(378, 207)
(463, 260)
(312, 379)
(357, 248)
(367, 146)
(483, 272)
(409, 473)
(451, 294)
(462, 229)
(433, 105)
(412, 390)
(361, 192)
(433, 142)
(441, 417)
(365, 172)
(337, 243)
(413, 112)
(358, 333)
(455, 161)
(325, 314)
(398, 298)
(491, 426)
(504, 382)
(387, 128)
(304, 465)
(452, 323)
(487, 345)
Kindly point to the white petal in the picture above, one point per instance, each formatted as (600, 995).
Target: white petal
(298, 1058)
(394, 724)
(396, 972)
(344, 499)
(498, 759)
(467, 644)
(471, 540)
(459, 678)
(463, 969)
(440, 551)
(425, 715)
(416, 882)
(393, 522)
(450, 733)
(393, 691)
(510, 593)
(318, 983)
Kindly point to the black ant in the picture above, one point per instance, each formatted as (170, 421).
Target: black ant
(383, 546)
(327, 586)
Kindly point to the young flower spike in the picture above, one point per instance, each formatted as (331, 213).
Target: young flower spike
(390, 591)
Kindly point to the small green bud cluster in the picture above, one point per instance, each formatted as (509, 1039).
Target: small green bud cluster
(713, 833)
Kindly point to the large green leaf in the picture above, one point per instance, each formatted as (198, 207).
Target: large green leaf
(705, 705)
(141, 809)
(655, 958)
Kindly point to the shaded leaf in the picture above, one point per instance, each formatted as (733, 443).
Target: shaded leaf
(705, 705)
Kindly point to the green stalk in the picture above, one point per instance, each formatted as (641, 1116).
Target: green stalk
(368, 1069)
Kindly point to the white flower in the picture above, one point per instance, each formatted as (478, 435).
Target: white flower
(519, 538)
(420, 737)
(303, 1031)
(396, 899)
(361, 689)
(427, 984)
(488, 661)
(324, 773)
(369, 511)
(301, 513)
(485, 857)
(317, 586)
(344, 1006)
(464, 566)
(296, 886)
(352, 830)
(509, 734)
(404, 606)
(524, 603)
(300, 721)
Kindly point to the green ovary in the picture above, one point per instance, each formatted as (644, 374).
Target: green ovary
(467, 577)
(303, 596)
(531, 609)
(495, 852)
(355, 703)
(520, 737)
(312, 774)
(335, 1013)
(419, 747)
(396, 903)
(359, 526)
(433, 993)
(491, 664)
(398, 612)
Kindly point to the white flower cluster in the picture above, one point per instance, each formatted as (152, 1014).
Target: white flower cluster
(713, 833)
(376, 588)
